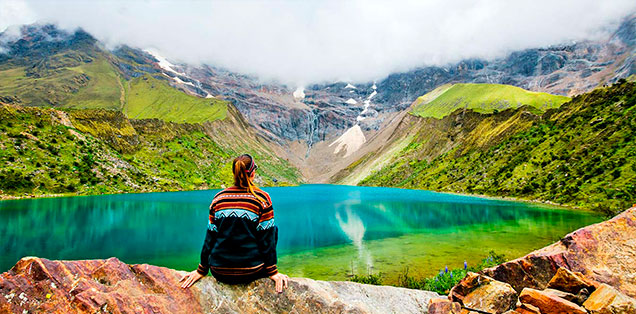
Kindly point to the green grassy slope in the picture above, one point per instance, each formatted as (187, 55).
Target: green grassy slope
(150, 98)
(582, 154)
(103, 90)
(68, 79)
(484, 98)
(93, 151)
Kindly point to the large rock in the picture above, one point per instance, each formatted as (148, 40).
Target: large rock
(40, 285)
(603, 252)
(482, 293)
(607, 300)
(549, 303)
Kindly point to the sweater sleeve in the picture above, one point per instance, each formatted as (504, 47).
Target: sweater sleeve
(210, 238)
(267, 234)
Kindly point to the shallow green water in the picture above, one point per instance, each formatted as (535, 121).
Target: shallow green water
(325, 231)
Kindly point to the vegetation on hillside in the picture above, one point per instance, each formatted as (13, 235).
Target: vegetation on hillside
(582, 154)
(483, 98)
(45, 151)
(72, 79)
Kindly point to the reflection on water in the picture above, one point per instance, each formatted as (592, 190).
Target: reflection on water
(168, 228)
(354, 229)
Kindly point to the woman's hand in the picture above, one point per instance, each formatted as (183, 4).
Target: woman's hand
(190, 279)
(280, 280)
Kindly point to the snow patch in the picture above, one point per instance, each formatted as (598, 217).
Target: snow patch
(374, 86)
(367, 103)
(180, 81)
(351, 101)
(350, 141)
(350, 86)
(163, 62)
(299, 93)
(371, 96)
(169, 67)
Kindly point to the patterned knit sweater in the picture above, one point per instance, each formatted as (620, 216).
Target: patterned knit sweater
(241, 236)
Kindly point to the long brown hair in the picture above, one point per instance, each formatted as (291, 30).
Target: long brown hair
(243, 166)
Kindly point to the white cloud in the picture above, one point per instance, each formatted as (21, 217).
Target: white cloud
(14, 12)
(300, 42)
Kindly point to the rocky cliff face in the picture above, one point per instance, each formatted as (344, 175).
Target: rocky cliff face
(111, 286)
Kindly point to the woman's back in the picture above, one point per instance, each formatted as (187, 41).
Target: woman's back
(242, 221)
(240, 241)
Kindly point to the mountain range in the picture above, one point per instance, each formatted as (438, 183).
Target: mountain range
(144, 119)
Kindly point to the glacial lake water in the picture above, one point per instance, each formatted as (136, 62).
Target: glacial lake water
(325, 231)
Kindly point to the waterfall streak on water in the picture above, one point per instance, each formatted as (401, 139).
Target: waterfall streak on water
(354, 229)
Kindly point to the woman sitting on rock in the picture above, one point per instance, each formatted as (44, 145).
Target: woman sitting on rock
(240, 243)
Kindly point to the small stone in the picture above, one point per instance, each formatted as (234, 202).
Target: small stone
(482, 293)
(549, 303)
(568, 281)
(528, 309)
(565, 295)
(582, 296)
(606, 299)
(443, 306)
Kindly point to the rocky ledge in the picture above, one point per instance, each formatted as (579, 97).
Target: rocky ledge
(591, 270)
(111, 286)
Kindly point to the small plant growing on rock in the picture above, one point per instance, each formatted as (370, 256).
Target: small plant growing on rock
(370, 279)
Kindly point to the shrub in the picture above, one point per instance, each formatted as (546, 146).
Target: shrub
(14, 180)
(370, 279)
(446, 279)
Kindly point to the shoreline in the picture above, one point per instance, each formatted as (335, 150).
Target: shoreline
(5, 197)
(523, 200)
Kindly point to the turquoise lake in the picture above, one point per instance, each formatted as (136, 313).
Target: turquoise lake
(325, 231)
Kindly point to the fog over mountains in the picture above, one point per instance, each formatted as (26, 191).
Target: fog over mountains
(304, 42)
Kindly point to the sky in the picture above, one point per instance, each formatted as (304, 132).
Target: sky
(303, 42)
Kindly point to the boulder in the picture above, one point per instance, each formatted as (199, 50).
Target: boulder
(482, 293)
(568, 281)
(443, 306)
(37, 285)
(603, 252)
(549, 303)
(607, 300)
